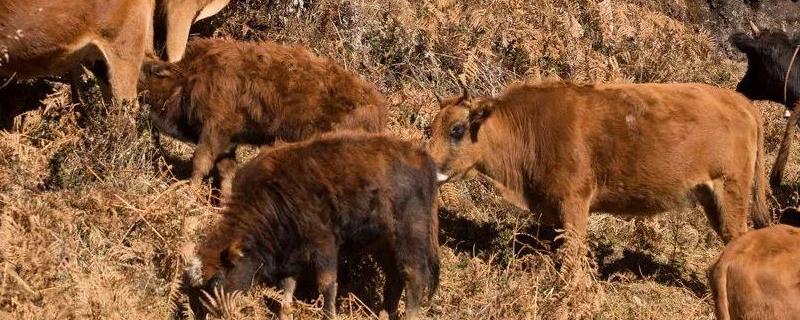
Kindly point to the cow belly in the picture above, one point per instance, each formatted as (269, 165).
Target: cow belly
(638, 205)
(54, 61)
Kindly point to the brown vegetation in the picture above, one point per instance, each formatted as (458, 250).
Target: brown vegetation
(91, 218)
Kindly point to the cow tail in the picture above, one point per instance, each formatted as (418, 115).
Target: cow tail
(718, 276)
(761, 217)
(776, 175)
(432, 272)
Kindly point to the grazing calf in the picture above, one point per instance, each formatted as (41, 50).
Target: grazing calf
(631, 149)
(45, 37)
(302, 206)
(757, 276)
(225, 92)
(180, 15)
(770, 55)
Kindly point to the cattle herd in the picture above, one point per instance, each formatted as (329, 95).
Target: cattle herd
(341, 186)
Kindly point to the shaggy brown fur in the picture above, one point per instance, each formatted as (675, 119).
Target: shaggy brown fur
(758, 276)
(226, 92)
(302, 206)
(179, 16)
(633, 149)
(45, 37)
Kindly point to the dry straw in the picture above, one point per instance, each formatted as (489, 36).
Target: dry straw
(91, 216)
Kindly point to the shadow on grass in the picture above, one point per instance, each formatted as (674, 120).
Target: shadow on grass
(786, 204)
(483, 239)
(644, 266)
(18, 97)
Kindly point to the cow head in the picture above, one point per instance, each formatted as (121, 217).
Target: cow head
(768, 56)
(454, 134)
(233, 268)
(161, 86)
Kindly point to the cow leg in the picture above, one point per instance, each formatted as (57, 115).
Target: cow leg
(212, 8)
(574, 215)
(394, 284)
(75, 75)
(226, 166)
(415, 289)
(288, 285)
(180, 16)
(123, 74)
(212, 143)
(735, 200)
(325, 266)
(726, 204)
(776, 174)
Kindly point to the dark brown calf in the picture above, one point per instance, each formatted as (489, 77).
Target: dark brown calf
(302, 206)
(758, 276)
(225, 92)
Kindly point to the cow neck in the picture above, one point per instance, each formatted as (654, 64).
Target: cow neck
(504, 155)
(786, 77)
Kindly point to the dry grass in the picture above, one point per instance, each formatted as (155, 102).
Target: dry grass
(91, 217)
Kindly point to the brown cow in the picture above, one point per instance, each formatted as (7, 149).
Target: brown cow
(301, 206)
(45, 37)
(631, 149)
(757, 276)
(225, 92)
(180, 15)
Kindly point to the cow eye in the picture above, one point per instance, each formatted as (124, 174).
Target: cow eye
(457, 132)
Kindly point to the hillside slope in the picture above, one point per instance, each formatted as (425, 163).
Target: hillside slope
(92, 214)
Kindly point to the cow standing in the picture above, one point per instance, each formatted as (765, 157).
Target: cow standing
(630, 149)
(225, 92)
(44, 37)
(302, 206)
(757, 276)
(770, 54)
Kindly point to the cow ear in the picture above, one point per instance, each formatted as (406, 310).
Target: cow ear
(743, 42)
(158, 69)
(231, 255)
(478, 113)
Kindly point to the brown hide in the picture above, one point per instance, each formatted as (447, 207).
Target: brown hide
(180, 15)
(757, 276)
(225, 92)
(631, 149)
(44, 37)
(302, 206)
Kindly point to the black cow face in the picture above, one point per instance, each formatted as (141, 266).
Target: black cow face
(768, 57)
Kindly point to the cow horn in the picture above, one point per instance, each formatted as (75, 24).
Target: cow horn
(465, 96)
(193, 270)
(754, 28)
